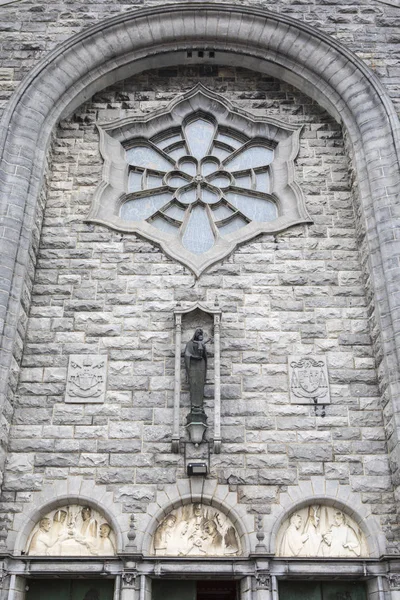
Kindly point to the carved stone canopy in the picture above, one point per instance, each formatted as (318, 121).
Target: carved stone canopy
(196, 530)
(321, 531)
(72, 530)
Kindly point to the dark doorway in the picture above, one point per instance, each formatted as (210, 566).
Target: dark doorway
(322, 590)
(70, 589)
(188, 589)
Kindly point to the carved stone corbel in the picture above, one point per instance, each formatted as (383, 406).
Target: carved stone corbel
(263, 580)
(129, 578)
(3, 573)
(394, 581)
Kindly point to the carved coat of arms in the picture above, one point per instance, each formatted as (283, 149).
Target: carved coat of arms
(308, 380)
(86, 379)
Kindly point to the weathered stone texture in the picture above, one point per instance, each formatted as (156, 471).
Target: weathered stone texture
(30, 30)
(101, 292)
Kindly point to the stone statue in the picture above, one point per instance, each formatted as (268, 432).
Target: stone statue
(196, 370)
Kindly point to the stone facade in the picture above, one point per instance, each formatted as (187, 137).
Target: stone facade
(312, 290)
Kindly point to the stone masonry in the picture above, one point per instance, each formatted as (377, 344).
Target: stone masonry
(97, 291)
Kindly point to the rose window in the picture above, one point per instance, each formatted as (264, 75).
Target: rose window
(204, 179)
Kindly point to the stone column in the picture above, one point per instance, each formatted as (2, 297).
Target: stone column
(177, 388)
(217, 383)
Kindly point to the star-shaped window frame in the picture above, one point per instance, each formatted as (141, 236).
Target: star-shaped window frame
(198, 178)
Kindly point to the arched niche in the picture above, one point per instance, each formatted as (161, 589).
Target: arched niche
(69, 526)
(252, 38)
(198, 315)
(183, 508)
(196, 529)
(326, 523)
(321, 531)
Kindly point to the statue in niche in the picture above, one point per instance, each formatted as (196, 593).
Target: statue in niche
(196, 371)
(72, 531)
(196, 530)
(321, 531)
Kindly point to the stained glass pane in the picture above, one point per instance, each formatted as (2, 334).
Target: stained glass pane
(188, 167)
(209, 166)
(209, 196)
(164, 225)
(175, 212)
(234, 225)
(154, 181)
(199, 135)
(177, 153)
(251, 158)
(263, 182)
(139, 209)
(220, 180)
(220, 153)
(198, 237)
(188, 196)
(168, 141)
(257, 209)
(135, 181)
(243, 181)
(222, 212)
(231, 141)
(177, 181)
(148, 158)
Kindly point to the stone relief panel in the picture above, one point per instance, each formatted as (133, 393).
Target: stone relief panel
(308, 376)
(72, 531)
(196, 530)
(321, 531)
(86, 378)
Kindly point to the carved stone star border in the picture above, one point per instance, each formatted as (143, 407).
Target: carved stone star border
(117, 136)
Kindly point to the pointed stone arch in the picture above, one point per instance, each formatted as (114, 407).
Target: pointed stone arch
(256, 39)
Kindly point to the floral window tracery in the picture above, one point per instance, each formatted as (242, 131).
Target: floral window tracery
(202, 180)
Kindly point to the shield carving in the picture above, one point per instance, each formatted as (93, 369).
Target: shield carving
(199, 178)
(308, 380)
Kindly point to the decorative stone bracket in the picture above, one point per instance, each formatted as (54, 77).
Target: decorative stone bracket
(216, 312)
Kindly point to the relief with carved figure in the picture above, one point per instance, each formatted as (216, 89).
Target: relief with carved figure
(72, 531)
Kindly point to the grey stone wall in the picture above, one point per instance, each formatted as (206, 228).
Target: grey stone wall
(101, 292)
(31, 29)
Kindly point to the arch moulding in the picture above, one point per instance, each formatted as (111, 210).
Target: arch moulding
(326, 493)
(81, 492)
(133, 41)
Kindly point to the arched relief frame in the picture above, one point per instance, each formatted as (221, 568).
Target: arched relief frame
(199, 103)
(206, 492)
(215, 312)
(134, 41)
(27, 523)
(353, 507)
